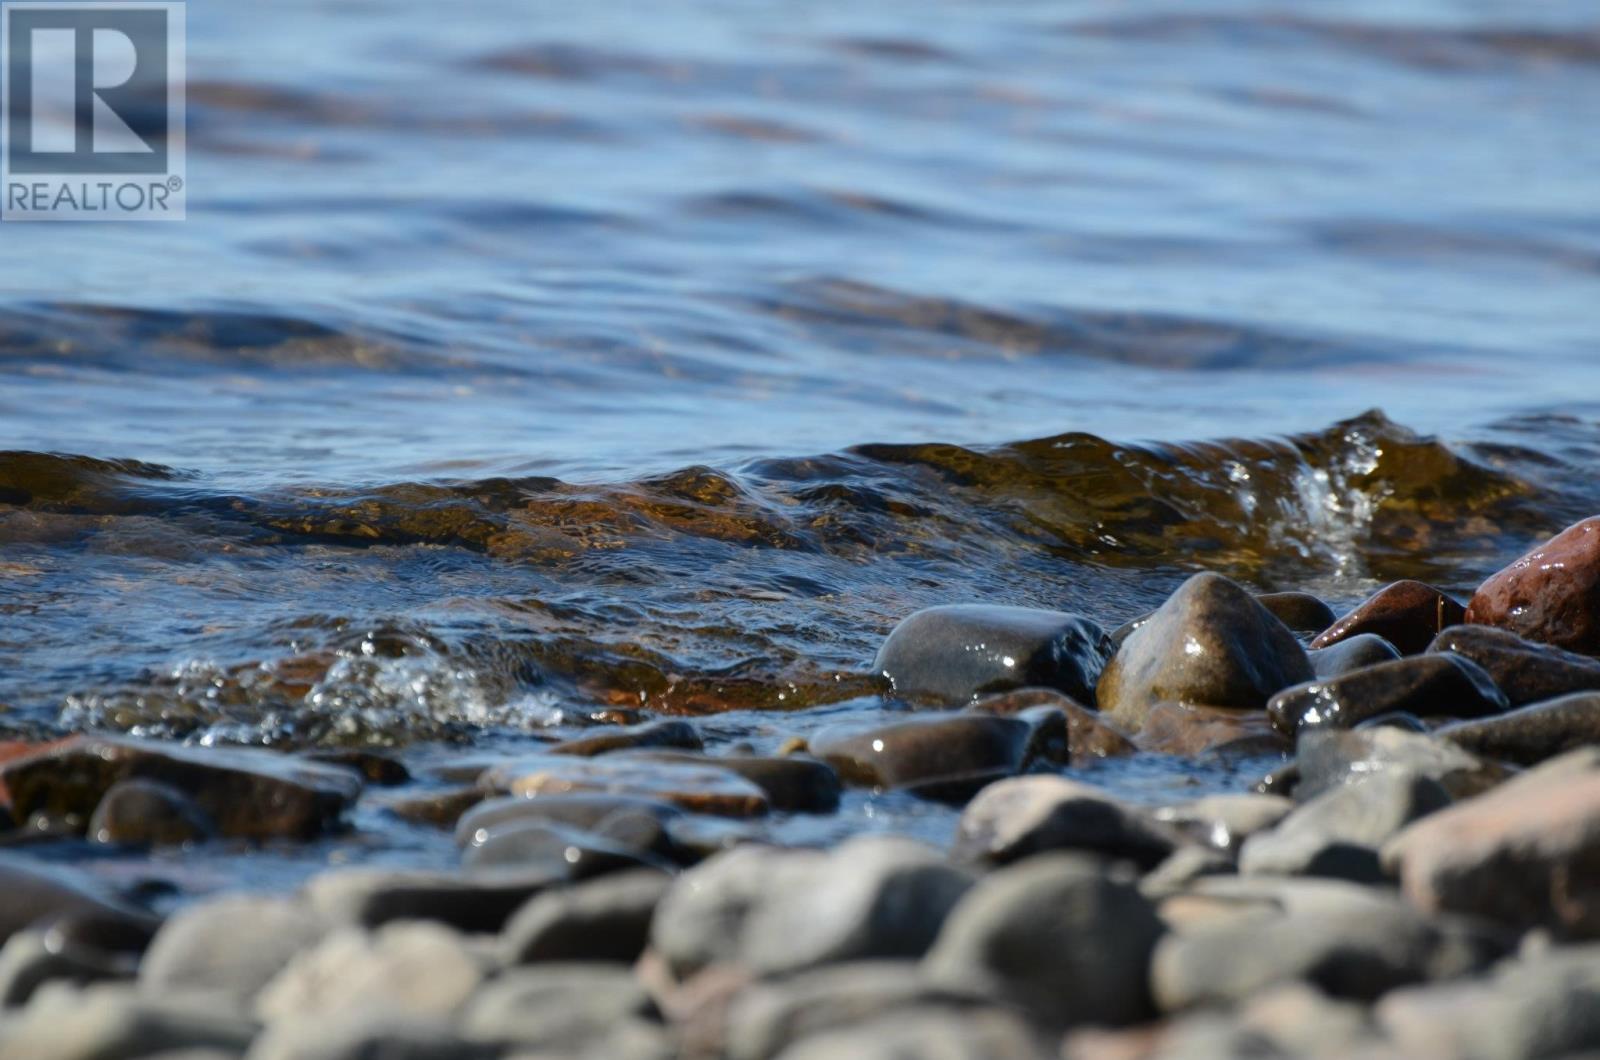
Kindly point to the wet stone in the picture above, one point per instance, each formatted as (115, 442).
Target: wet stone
(375, 767)
(1017, 818)
(247, 792)
(1350, 654)
(28, 960)
(581, 810)
(925, 748)
(959, 652)
(1181, 729)
(1226, 821)
(1550, 595)
(434, 809)
(1395, 719)
(669, 733)
(1056, 935)
(1525, 671)
(1426, 685)
(622, 841)
(35, 894)
(481, 902)
(147, 813)
(1210, 644)
(1407, 614)
(601, 920)
(1090, 737)
(1301, 612)
(698, 788)
(792, 783)
(1533, 733)
(234, 945)
(1330, 758)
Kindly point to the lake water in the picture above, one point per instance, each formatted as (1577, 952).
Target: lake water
(519, 359)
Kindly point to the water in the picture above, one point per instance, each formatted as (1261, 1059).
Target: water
(522, 359)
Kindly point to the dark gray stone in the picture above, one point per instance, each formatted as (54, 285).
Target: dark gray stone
(701, 919)
(671, 732)
(619, 842)
(1226, 821)
(1531, 734)
(924, 749)
(1022, 816)
(1339, 832)
(480, 902)
(28, 961)
(1346, 656)
(584, 810)
(1526, 672)
(554, 1006)
(149, 813)
(1329, 758)
(1301, 612)
(793, 783)
(1433, 685)
(602, 920)
(960, 652)
(37, 894)
(234, 945)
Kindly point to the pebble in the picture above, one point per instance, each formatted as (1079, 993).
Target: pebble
(36, 894)
(421, 969)
(701, 919)
(1301, 612)
(1181, 729)
(622, 841)
(370, 1033)
(373, 896)
(1352, 653)
(148, 813)
(1225, 821)
(699, 788)
(1407, 614)
(668, 733)
(956, 653)
(1023, 816)
(248, 792)
(1551, 594)
(1526, 854)
(375, 767)
(1426, 685)
(581, 810)
(1533, 733)
(981, 1034)
(1210, 644)
(1058, 936)
(104, 1021)
(554, 1006)
(1329, 758)
(233, 945)
(1525, 671)
(792, 783)
(1090, 737)
(973, 748)
(600, 920)
(28, 960)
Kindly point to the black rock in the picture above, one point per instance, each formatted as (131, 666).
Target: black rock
(1354, 653)
(1533, 733)
(1426, 685)
(1526, 672)
(1023, 816)
(601, 920)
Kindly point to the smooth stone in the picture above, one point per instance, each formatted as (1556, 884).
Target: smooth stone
(249, 793)
(1350, 654)
(1407, 614)
(1023, 816)
(931, 1032)
(925, 748)
(1300, 1020)
(37, 894)
(869, 897)
(1551, 594)
(696, 837)
(375, 767)
(600, 920)
(441, 808)
(1210, 644)
(668, 733)
(1226, 821)
(701, 919)
(104, 1021)
(234, 945)
(792, 783)
(148, 813)
(1526, 854)
(580, 810)
(373, 896)
(1214, 900)
(1531, 734)
(1056, 935)
(369, 1033)
(1090, 737)
(959, 652)
(1426, 685)
(422, 969)
(1354, 952)
(1525, 671)
(554, 1006)
(698, 788)
(28, 961)
(1395, 719)
(622, 841)
(1338, 833)
(1301, 612)
(1182, 867)
(1328, 758)
(1182, 729)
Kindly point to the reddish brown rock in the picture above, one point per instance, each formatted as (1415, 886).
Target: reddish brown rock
(1551, 594)
(701, 789)
(1180, 729)
(1089, 735)
(1408, 614)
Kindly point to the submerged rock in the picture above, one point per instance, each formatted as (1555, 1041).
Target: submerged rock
(1424, 685)
(1016, 818)
(700, 788)
(1090, 736)
(1352, 653)
(1210, 644)
(1533, 733)
(1525, 671)
(961, 651)
(145, 813)
(578, 810)
(1407, 614)
(1181, 729)
(669, 733)
(1551, 594)
(792, 783)
(948, 748)
(620, 842)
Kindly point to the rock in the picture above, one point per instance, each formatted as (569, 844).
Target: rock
(233, 945)
(371, 896)
(1301, 612)
(949, 748)
(1532, 734)
(249, 793)
(1213, 900)
(1551, 594)
(372, 1033)
(869, 897)
(1545, 1007)
(1525, 671)
(960, 652)
(1352, 653)
(1338, 833)
(441, 808)
(1181, 729)
(701, 919)
(1357, 952)
(36, 894)
(1090, 737)
(1407, 614)
(147, 813)
(554, 1006)
(973, 1034)
(28, 961)
(1182, 867)
(103, 1021)
(669, 733)
(418, 968)
(1395, 719)
(602, 920)
(1425, 685)
(696, 837)
(582, 810)
(1226, 821)
(1210, 644)
(1022, 816)
(792, 783)
(1300, 1020)
(376, 767)
(701, 789)
(1526, 854)
(622, 841)
(1329, 758)
(1056, 935)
